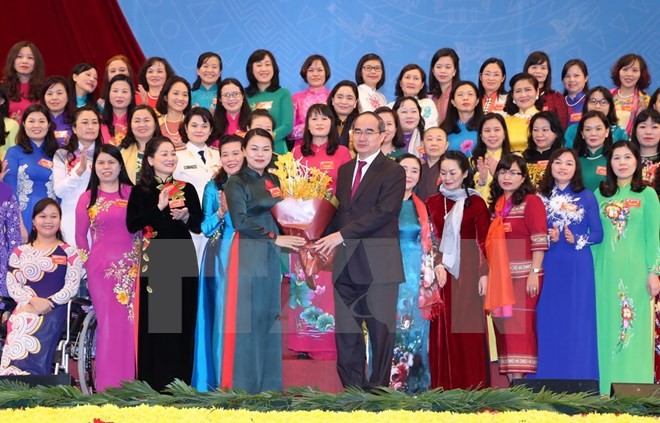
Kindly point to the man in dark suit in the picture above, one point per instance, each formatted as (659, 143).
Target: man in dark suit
(367, 265)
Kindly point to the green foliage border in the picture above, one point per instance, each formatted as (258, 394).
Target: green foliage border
(177, 394)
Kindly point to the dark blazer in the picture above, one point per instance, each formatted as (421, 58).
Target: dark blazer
(369, 223)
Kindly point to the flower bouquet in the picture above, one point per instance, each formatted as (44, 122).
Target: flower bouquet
(306, 211)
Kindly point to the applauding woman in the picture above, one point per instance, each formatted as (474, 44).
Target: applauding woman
(41, 277)
(72, 166)
(217, 226)
(112, 266)
(166, 211)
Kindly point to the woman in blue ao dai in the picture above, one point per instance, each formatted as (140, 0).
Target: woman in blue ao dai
(566, 321)
(218, 227)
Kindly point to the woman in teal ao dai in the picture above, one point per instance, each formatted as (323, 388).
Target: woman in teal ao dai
(410, 362)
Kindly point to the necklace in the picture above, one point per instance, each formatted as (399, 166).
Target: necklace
(444, 199)
(578, 101)
(151, 97)
(618, 94)
(167, 129)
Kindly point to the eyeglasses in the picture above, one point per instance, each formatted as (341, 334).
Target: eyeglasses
(370, 68)
(510, 172)
(602, 102)
(234, 94)
(357, 133)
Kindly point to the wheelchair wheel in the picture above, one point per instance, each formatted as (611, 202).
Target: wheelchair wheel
(87, 354)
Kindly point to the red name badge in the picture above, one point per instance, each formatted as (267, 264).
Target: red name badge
(174, 204)
(569, 207)
(122, 203)
(275, 192)
(543, 164)
(633, 203)
(601, 170)
(327, 165)
(575, 117)
(507, 227)
(58, 260)
(48, 164)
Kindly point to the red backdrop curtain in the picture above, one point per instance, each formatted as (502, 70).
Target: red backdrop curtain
(69, 32)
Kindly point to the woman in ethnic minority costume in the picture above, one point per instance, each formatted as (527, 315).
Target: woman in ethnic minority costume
(515, 246)
(458, 350)
(211, 310)
(252, 350)
(166, 211)
(42, 276)
(111, 264)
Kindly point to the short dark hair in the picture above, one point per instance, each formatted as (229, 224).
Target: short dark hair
(38, 208)
(257, 56)
(48, 83)
(510, 107)
(580, 64)
(22, 140)
(161, 104)
(627, 60)
(555, 127)
(308, 63)
(607, 95)
(147, 172)
(206, 116)
(130, 139)
(142, 75)
(398, 91)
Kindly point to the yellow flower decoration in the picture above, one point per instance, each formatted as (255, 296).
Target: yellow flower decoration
(300, 181)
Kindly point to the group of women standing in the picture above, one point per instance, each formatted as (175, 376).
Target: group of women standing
(186, 281)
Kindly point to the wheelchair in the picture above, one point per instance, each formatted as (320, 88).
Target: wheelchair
(77, 343)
